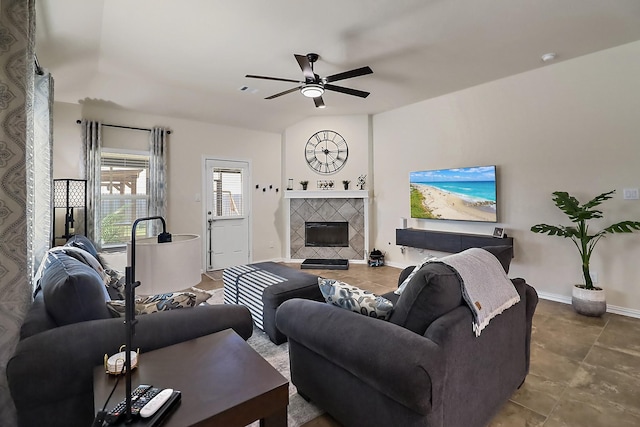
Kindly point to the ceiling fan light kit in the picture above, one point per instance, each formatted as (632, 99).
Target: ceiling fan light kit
(313, 85)
(312, 90)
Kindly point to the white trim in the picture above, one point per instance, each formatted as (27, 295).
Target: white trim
(247, 201)
(564, 299)
(326, 194)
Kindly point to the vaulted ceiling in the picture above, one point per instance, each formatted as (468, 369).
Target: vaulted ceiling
(188, 59)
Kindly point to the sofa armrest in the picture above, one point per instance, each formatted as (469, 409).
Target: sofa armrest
(58, 364)
(396, 362)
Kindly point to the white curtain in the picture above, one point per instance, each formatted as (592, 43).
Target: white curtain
(90, 170)
(39, 172)
(157, 176)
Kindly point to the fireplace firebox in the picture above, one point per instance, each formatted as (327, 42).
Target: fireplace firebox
(326, 234)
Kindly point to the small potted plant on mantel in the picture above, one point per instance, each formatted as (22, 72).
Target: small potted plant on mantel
(304, 184)
(586, 298)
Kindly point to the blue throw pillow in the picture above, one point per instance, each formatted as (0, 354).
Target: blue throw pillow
(355, 299)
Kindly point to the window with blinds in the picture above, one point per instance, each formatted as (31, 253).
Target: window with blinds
(124, 190)
(227, 192)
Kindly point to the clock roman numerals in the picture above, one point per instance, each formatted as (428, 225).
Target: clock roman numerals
(326, 152)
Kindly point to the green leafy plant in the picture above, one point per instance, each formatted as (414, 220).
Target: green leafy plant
(579, 233)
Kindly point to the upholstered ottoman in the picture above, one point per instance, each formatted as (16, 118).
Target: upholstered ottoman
(263, 286)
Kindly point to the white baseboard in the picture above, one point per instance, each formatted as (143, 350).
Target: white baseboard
(623, 311)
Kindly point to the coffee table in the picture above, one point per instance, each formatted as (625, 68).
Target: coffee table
(223, 381)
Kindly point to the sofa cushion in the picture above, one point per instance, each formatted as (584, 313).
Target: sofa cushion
(73, 291)
(433, 291)
(355, 299)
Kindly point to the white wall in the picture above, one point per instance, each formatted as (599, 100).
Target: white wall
(189, 142)
(354, 129)
(571, 126)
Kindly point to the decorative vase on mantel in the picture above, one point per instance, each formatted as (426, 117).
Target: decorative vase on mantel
(304, 184)
(346, 184)
(589, 302)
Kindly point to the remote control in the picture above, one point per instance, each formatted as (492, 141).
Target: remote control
(114, 414)
(156, 403)
(141, 401)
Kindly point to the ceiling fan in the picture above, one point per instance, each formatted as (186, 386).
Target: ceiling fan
(313, 85)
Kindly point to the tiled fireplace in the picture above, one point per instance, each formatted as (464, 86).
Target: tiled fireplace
(330, 206)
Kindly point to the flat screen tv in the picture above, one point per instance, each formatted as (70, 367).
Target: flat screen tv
(463, 194)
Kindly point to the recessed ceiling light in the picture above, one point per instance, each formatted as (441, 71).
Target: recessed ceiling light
(548, 57)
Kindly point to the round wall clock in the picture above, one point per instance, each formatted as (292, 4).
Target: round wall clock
(326, 152)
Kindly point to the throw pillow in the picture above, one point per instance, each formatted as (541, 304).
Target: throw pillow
(154, 303)
(83, 242)
(355, 299)
(413, 273)
(73, 292)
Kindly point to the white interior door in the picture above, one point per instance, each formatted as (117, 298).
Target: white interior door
(227, 208)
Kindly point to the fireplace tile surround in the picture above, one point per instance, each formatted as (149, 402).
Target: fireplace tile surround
(328, 205)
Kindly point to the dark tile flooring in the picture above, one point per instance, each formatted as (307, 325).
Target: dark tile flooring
(585, 372)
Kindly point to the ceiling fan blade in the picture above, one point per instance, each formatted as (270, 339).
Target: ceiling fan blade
(348, 91)
(319, 102)
(349, 74)
(251, 76)
(284, 93)
(305, 66)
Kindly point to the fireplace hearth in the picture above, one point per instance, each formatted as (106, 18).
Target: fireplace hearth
(325, 264)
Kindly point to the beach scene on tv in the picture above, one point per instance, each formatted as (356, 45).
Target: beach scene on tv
(465, 194)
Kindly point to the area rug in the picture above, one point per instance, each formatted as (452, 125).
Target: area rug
(299, 411)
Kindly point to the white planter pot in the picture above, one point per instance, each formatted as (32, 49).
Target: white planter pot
(589, 302)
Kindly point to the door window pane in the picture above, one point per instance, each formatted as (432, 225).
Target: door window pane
(227, 192)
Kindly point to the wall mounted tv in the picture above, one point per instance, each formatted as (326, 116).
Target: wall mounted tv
(464, 194)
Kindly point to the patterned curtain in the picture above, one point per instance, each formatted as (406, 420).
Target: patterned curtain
(17, 38)
(157, 177)
(39, 177)
(90, 170)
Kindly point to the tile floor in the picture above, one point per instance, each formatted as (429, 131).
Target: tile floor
(585, 372)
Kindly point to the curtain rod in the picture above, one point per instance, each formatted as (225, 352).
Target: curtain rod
(125, 127)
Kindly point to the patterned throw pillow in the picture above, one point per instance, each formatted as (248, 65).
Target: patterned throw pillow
(154, 303)
(355, 299)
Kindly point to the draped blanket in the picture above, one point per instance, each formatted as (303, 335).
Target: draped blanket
(485, 286)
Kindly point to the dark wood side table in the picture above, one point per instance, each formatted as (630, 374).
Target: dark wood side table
(223, 381)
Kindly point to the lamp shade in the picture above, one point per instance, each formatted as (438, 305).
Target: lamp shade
(167, 267)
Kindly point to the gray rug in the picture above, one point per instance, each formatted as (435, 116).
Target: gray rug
(299, 411)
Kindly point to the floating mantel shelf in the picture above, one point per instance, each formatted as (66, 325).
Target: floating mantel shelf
(326, 194)
(445, 241)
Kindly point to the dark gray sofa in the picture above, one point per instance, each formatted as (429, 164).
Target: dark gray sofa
(50, 374)
(431, 371)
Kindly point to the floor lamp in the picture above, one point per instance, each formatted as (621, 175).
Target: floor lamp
(130, 310)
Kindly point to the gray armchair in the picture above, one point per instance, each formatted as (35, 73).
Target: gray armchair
(365, 371)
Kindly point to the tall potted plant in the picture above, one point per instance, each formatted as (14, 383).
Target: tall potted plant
(586, 298)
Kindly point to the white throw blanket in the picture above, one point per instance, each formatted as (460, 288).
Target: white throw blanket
(485, 286)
